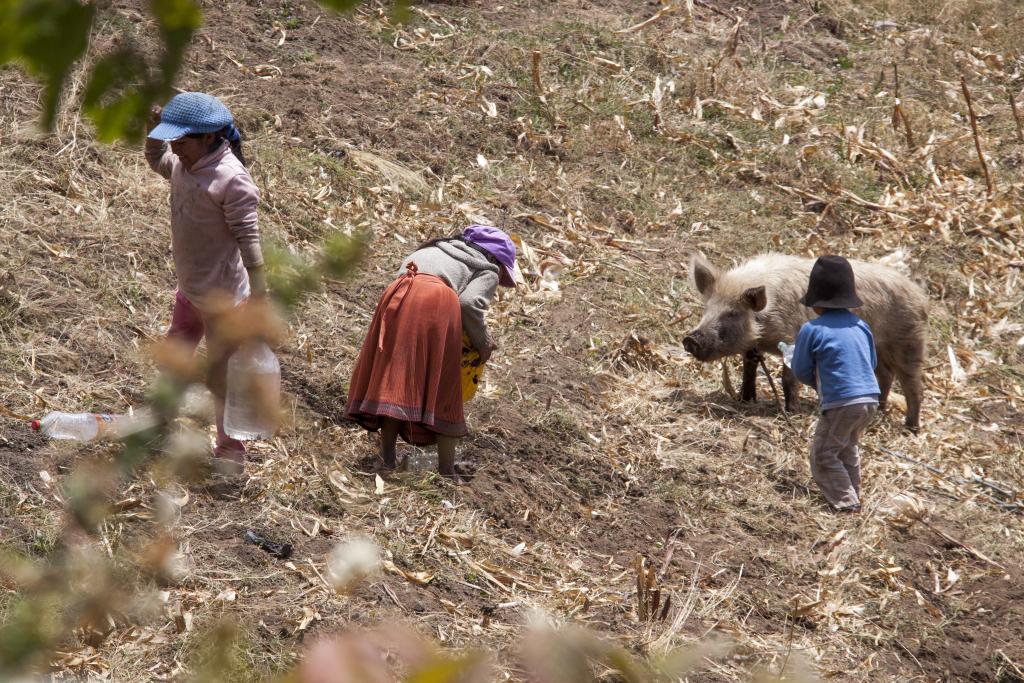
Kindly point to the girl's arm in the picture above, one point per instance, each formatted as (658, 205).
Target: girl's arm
(475, 299)
(160, 157)
(158, 153)
(240, 201)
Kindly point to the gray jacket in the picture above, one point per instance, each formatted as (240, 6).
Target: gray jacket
(470, 274)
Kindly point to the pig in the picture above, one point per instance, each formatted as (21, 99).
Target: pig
(751, 308)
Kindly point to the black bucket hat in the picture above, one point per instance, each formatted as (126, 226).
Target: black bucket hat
(831, 285)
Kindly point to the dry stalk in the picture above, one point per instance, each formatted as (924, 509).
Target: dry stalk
(727, 382)
(538, 87)
(977, 136)
(716, 10)
(898, 115)
(12, 414)
(963, 546)
(775, 391)
(539, 91)
(648, 594)
(731, 43)
(650, 20)
(1016, 115)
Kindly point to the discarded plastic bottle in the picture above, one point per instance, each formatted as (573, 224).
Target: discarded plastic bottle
(77, 426)
(254, 392)
(91, 426)
(787, 353)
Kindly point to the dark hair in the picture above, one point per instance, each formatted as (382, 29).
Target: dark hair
(458, 238)
(219, 137)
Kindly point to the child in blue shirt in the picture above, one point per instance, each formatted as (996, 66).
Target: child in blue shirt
(835, 353)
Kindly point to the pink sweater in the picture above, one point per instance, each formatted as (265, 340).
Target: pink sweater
(213, 222)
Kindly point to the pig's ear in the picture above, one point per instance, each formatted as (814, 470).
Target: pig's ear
(756, 298)
(703, 274)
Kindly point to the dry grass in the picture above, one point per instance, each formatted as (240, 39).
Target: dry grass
(595, 438)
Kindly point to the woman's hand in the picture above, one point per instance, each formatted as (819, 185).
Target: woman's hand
(154, 117)
(485, 353)
(257, 282)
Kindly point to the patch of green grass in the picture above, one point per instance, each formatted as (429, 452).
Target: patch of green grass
(558, 422)
(836, 86)
(844, 62)
(44, 542)
(592, 35)
(941, 329)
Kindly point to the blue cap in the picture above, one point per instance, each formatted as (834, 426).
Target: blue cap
(191, 112)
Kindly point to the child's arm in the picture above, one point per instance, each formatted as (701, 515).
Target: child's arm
(158, 153)
(160, 157)
(802, 364)
(240, 201)
(874, 354)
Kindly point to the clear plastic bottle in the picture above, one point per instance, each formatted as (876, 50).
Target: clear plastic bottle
(91, 426)
(787, 353)
(253, 400)
(76, 426)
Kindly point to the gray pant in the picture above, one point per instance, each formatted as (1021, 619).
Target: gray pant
(835, 460)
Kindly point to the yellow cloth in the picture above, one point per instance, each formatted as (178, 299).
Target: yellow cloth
(472, 369)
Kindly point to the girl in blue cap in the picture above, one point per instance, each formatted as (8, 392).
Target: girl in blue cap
(407, 380)
(218, 260)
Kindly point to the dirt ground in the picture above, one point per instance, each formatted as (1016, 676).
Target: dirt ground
(587, 449)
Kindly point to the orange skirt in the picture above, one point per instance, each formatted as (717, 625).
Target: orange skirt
(409, 368)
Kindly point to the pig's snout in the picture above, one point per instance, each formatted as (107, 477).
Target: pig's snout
(692, 344)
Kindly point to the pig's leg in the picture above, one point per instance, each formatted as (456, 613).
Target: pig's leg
(883, 373)
(748, 390)
(790, 388)
(913, 389)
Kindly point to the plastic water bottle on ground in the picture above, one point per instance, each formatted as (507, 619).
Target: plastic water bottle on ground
(81, 426)
(251, 409)
(420, 460)
(787, 353)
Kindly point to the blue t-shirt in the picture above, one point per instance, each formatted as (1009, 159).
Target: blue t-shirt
(835, 353)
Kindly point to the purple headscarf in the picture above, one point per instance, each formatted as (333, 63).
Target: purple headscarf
(497, 244)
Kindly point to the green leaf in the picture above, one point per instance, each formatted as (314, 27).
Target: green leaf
(117, 97)
(48, 37)
(27, 636)
(177, 16)
(401, 12)
(290, 276)
(341, 253)
(120, 94)
(178, 20)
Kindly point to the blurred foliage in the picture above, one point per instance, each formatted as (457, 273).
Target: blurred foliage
(76, 594)
(47, 37)
(291, 275)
